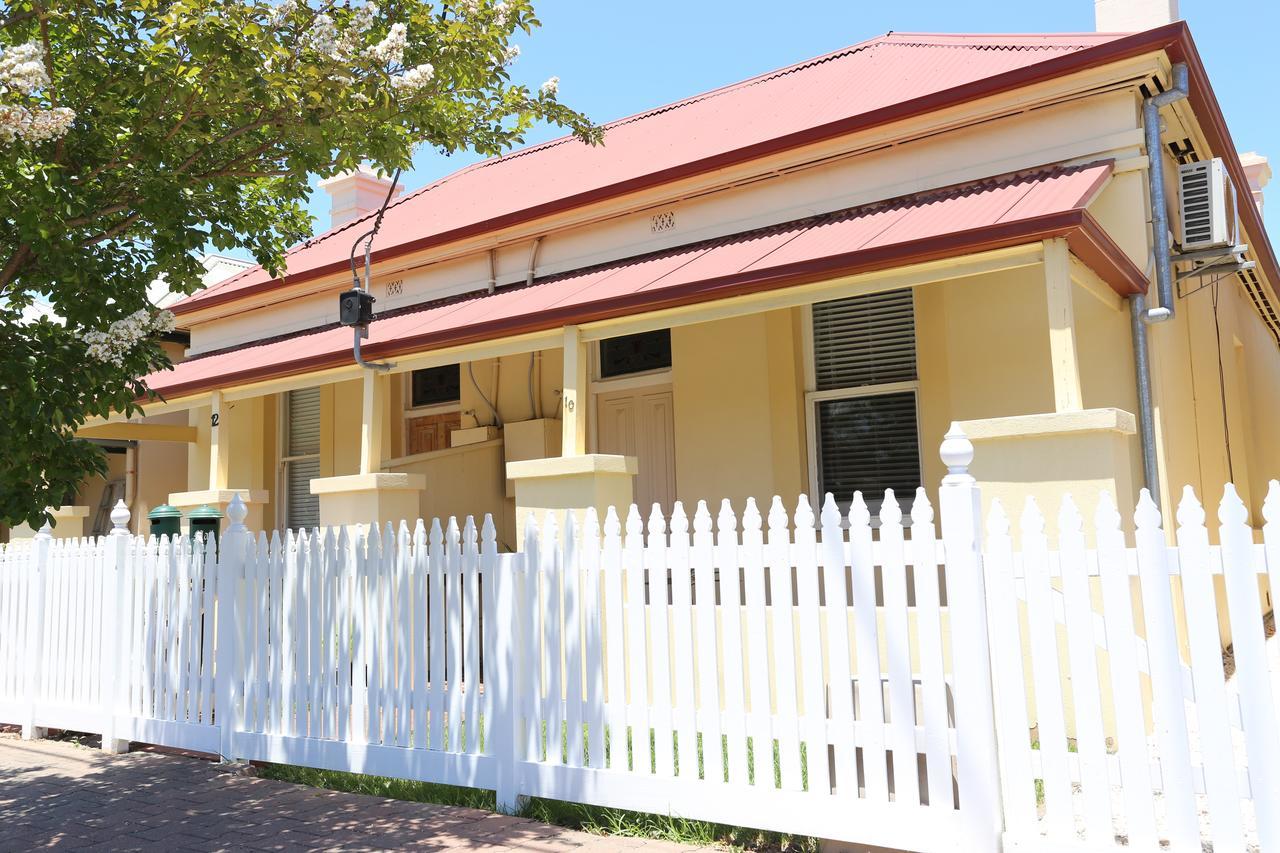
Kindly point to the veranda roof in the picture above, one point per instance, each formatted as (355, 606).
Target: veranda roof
(1009, 211)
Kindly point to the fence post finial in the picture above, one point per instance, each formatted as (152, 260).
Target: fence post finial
(120, 518)
(957, 454)
(45, 531)
(237, 512)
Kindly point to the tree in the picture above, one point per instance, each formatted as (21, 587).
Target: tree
(133, 133)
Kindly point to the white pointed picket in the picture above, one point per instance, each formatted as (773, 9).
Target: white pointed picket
(729, 568)
(1082, 656)
(1126, 681)
(871, 715)
(1205, 647)
(1257, 704)
(705, 661)
(839, 665)
(902, 704)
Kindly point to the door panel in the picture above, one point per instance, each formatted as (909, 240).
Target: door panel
(640, 422)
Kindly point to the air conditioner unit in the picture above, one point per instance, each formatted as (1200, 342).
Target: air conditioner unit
(1208, 203)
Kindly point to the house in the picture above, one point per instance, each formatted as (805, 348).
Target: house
(792, 284)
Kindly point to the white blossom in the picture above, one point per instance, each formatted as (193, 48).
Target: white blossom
(390, 50)
(17, 122)
(322, 37)
(550, 87)
(22, 68)
(280, 14)
(510, 54)
(467, 7)
(414, 79)
(364, 17)
(120, 338)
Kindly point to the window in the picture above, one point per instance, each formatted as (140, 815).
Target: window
(639, 353)
(862, 406)
(432, 386)
(433, 410)
(301, 457)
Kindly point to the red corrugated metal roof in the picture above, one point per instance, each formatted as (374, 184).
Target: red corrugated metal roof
(1000, 212)
(794, 105)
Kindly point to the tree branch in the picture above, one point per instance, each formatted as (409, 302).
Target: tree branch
(14, 265)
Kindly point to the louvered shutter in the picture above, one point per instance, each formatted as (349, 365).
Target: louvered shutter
(302, 509)
(866, 441)
(864, 340)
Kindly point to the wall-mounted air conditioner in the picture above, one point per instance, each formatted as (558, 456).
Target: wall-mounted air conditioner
(1208, 203)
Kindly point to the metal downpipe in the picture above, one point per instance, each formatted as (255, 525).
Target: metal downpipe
(1146, 416)
(1155, 185)
(1139, 315)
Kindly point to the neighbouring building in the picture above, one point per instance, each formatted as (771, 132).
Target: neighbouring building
(793, 284)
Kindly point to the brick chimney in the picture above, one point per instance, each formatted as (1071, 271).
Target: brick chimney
(1258, 172)
(1130, 16)
(356, 193)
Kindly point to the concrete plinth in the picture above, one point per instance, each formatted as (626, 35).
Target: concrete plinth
(563, 483)
(1047, 456)
(67, 523)
(218, 499)
(364, 498)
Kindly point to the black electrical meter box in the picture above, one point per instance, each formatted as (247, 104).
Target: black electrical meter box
(355, 308)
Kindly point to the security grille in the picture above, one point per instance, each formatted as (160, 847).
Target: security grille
(302, 457)
(864, 402)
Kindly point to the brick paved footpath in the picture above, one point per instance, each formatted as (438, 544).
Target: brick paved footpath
(62, 796)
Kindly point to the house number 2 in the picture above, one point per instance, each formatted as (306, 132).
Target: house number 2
(213, 420)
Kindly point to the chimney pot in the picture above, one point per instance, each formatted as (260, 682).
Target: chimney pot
(1131, 16)
(1257, 170)
(355, 194)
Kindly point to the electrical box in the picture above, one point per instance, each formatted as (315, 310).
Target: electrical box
(535, 439)
(355, 308)
(1207, 200)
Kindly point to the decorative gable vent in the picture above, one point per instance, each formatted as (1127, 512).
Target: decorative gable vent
(1208, 204)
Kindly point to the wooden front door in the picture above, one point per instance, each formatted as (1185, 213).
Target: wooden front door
(640, 422)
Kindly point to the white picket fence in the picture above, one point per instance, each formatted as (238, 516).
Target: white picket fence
(1143, 623)
(791, 673)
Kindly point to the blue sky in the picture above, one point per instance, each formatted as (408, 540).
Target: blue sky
(614, 59)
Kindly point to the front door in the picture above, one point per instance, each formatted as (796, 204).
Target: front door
(639, 422)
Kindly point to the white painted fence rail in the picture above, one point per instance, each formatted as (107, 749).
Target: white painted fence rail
(881, 684)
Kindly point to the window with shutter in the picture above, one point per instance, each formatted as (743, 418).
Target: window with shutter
(301, 457)
(862, 402)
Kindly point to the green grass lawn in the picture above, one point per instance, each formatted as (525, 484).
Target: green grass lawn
(594, 819)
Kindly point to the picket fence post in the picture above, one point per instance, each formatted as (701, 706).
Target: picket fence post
(500, 666)
(35, 630)
(960, 502)
(230, 574)
(111, 673)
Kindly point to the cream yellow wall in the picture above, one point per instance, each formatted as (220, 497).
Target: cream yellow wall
(198, 451)
(341, 411)
(1188, 378)
(510, 376)
(738, 415)
(161, 470)
(464, 481)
